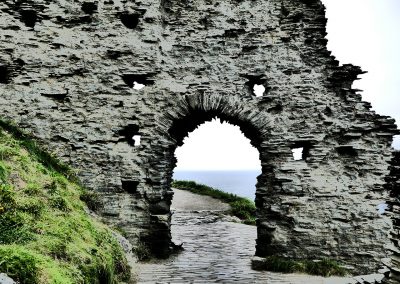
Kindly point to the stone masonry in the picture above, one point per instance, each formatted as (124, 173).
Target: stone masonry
(68, 71)
(393, 185)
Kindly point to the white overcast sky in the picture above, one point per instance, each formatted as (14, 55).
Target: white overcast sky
(362, 32)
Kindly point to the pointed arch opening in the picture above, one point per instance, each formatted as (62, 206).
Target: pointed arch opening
(195, 111)
(218, 155)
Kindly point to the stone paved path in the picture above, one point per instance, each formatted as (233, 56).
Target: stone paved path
(216, 251)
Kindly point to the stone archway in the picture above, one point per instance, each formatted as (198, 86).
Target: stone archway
(194, 111)
(296, 219)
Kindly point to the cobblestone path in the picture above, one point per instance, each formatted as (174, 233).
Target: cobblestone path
(216, 251)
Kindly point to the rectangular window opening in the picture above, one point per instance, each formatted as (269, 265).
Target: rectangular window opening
(130, 186)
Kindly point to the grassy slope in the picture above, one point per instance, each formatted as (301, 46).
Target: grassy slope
(46, 235)
(241, 207)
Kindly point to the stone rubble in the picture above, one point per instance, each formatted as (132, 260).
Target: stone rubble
(4, 279)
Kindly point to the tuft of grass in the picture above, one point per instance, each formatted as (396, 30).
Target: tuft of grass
(3, 172)
(92, 200)
(20, 264)
(324, 267)
(46, 235)
(142, 251)
(241, 207)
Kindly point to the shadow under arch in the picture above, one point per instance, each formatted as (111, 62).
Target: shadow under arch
(195, 110)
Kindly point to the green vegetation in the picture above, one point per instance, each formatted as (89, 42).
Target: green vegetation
(241, 207)
(46, 235)
(43, 157)
(325, 267)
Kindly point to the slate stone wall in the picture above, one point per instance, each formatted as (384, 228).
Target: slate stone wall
(67, 72)
(393, 185)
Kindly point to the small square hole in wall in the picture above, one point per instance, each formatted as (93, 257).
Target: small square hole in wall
(136, 140)
(130, 134)
(298, 153)
(259, 90)
(130, 20)
(89, 7)
(3, 74)
(130, 186)
(138, 81)
(29, 17)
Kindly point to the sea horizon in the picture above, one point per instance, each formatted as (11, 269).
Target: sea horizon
(239, 182)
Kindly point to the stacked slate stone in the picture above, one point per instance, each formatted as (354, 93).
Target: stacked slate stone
(393, 184)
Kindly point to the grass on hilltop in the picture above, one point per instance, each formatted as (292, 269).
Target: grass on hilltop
(46, 234)
(241, 207)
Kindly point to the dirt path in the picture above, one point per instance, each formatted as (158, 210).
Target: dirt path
(186, 201)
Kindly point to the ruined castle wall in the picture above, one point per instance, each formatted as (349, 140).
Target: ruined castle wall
(67, 71)
(393, 185)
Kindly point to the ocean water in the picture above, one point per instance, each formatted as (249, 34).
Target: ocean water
(241, 183)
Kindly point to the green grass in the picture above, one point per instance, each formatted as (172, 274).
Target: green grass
(241, 207)
(46, 235)
(48, 160)
(325, 267)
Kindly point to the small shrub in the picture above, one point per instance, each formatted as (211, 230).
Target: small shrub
(3, 172)
(32, 207)
(14, 228)
(6, 151)
(142, 251)
(59, 203)
(7, 197)
(243, 209)
(325, 267)
(120, 230)
(58, 250)
(19, 264)
(92, 200)
(251, 221)
(52, 187)
(60, 181)
(32, 189)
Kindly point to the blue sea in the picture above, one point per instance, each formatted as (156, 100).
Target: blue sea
(241, 183)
